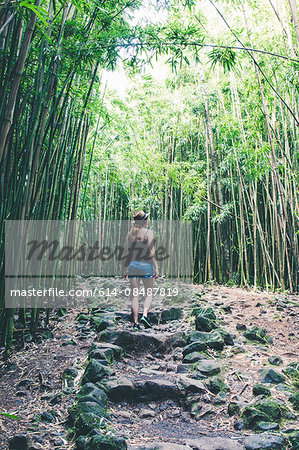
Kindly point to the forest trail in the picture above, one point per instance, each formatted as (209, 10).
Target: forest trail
(174, 387)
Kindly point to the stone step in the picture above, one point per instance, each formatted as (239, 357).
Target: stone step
(142, 341)
(215, 443)
(202, 443)
(120, 389)
(159, 446)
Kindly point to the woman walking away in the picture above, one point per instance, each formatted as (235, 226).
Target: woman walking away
(140, 264)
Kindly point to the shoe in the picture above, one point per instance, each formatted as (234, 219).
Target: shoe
(136, 327)
(145, 322)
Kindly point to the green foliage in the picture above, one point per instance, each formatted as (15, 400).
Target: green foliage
(226, 57)
(204, 140)
(10, 416)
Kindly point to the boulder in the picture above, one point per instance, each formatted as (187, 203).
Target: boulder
(294, 399)
(85, 407)
(275, 360)
(116, 349)
(208, 367)
(261, 411)
(135, 342)
(95, 372)
(251, 416)
(154, 317)
(100, 324)
(271, 408)
(201, 341)
(259, 389)
(171, 314)
(19, 442)
(70, 373)
(239, 425)
(90, 392)
(273, 377)
(216, 385)
(292, 371)
(214, 443)
(145, 413)
(47, 416)
(87, 422)
(220, 398)
(293, 439)
(184, 368)
(193, 357)
(226, 336)
(119, 389)
(256, 334)
(82, 442)
(159, 446)
(175, 340)
(205, 319)
(105, 354)
(156, 389)
(191, 385)
(265, 441)
(266, 426)
(233, 408)
(105, 442)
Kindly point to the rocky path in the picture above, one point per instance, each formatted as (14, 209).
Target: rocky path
(218, 370)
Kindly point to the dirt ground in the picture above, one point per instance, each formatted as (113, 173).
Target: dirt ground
(39, 368)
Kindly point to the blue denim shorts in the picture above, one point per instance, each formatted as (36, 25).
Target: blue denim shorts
(140, 269)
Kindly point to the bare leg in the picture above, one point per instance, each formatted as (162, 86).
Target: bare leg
(148, 284)
(135, 284)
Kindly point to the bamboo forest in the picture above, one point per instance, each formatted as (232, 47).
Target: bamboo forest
(186, 111)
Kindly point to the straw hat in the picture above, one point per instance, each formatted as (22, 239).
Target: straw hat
(140, 215)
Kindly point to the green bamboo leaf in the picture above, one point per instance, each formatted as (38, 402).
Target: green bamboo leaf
(11, 416)
(38, 10)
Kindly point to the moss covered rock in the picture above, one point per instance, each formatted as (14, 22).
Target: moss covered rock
(205, 319)
(295, 400)
(293, 440)
(118, 351)
(171, 314)
(292, 371)
(273, 410)
(233, 408)
(86, 407)
(107, 443)
(82, 442)
(95, 372)
(200, 341)
(273, 377)
(216, 385)
(106, 354)
(262, 411)
(91, 392)
(260, 389)
(226, 336)
(82, 318)
(86, 422)
(257, 334)
(208, 367)
(275, 360)
(251, 416)
(100, 324)
(193, 357)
